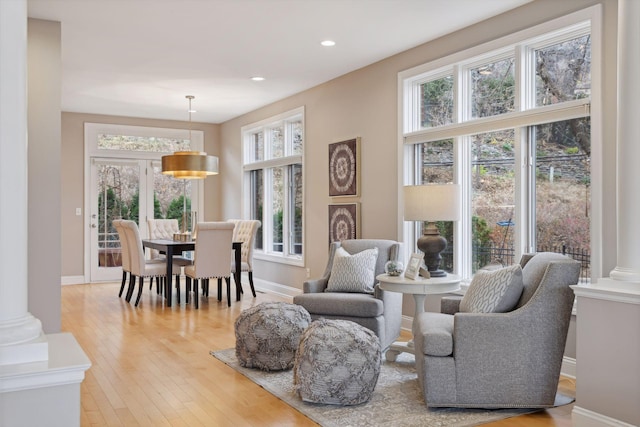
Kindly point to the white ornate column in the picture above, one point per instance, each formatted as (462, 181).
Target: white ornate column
(608, 311)
(21, 337)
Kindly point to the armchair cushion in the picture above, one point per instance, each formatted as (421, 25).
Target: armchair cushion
(353, 273)
(342, 304)
(495, 291)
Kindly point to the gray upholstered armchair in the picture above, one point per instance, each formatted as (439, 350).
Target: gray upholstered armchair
(499, 360)
(379, 311)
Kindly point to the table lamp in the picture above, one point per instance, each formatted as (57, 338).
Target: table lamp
(432, 202)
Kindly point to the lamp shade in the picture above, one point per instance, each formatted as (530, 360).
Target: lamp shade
(432, 202)
(189, 165)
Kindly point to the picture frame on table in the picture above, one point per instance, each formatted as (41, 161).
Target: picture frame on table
(413, 266)
(344, 221)
(344, 168)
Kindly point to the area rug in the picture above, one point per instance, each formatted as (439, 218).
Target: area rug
(396, 400)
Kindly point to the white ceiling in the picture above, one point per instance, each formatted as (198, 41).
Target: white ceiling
(139, 58)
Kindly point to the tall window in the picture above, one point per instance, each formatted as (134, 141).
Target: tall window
(512, 125)
(273, 184)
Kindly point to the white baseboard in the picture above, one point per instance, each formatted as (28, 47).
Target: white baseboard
(72, 280)
(568, 368)
(585, 418)
(275, 288)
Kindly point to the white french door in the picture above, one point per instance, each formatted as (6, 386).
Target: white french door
(123, 179)
(119, 189)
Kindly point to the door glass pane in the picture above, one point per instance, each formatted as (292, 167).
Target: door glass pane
(563, 197)
(493, 197)
(118, 198)
(168, 195)
(563, 71)
(436, 102)
(296, 200)
(142, 143)
(277, 206)
(256, 148)
(492, 88)
(437, 168)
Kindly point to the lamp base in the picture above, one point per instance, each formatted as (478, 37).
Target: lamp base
(431, 243)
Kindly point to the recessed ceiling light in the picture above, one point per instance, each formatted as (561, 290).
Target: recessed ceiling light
(257, 79)
(328, 43)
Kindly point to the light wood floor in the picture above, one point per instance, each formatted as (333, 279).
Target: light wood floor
(151, 365)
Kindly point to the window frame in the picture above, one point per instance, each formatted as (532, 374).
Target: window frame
(525, 115)
(267, 164)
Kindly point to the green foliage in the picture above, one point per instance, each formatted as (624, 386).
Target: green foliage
(175, 209)
(571, 150)
(157, 209)
(134, 206)
(481, 231)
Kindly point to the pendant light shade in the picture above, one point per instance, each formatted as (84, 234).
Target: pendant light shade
(189, 164)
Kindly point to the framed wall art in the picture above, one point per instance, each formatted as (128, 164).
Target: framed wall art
(344, 222)
(344, 168)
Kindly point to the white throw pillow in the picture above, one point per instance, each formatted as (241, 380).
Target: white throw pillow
(353, 273)
(495, 291)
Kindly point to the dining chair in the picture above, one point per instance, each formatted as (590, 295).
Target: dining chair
(160, 228)
(212, 259)
(124, 251)
(245, 231)
(141, 267)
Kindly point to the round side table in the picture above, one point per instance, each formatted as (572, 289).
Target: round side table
(419, 288)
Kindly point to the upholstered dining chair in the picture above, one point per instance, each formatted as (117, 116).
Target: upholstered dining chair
(245, 231)
(140, 266)
(501, 345)
(164, 229)
(124, 253)
(212, 259)
(351, 292)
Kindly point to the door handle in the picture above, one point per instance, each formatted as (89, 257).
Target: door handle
(93, 226)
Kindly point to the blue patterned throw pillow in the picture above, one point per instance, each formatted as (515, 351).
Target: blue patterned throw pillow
(353, 273)
(495, 291)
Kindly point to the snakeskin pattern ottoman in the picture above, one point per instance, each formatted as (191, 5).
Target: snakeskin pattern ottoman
(338, 362)
(268, 334)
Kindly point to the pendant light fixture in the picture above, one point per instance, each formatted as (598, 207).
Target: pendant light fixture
(189, 164)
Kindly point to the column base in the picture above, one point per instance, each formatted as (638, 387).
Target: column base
(36, 350)
(45, 393)
(22, 341)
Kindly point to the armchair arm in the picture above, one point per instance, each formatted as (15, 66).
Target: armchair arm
(315, 285)
(450, 305)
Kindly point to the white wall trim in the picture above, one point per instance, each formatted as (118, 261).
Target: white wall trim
(72, 280)
(568, 368)
(272, 288)
(585, 418)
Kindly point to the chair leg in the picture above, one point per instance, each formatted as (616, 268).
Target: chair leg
(195, 292)
(187, 290)
(253, 290)
(228, 280)
(177, 288)
(132, 285)
(219, 289)
(140, 290)
(150, 283)
(206, 287)
(124, 279)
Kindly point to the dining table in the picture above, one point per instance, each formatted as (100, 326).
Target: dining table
(176, 247)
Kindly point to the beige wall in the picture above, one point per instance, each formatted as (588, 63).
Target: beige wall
(72, 178)
(44, 87)
(364, 103)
